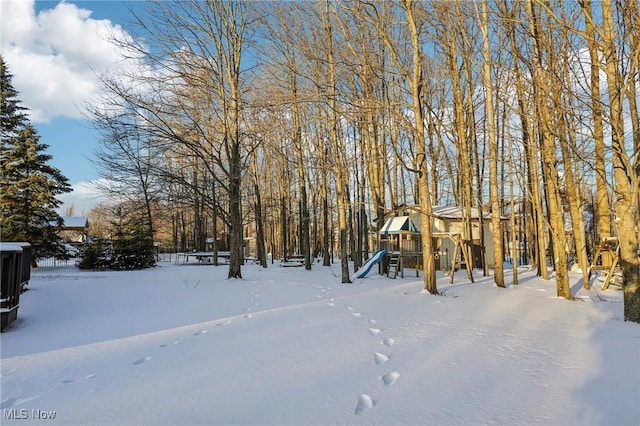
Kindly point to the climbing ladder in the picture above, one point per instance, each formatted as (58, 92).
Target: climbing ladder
(394, 263)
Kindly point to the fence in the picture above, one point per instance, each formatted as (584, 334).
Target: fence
(53, 262)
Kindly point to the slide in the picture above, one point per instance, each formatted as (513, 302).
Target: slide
(364, 270)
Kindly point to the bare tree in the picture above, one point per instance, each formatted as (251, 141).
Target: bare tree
(411, 71)
(284, 38)
(626, 169)
(193, 97)
(537, 240)
(602, 193)
(461, 122)
(542, 92)
(340, 168)
(496, 210)
(125, 159)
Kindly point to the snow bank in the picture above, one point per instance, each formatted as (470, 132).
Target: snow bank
(181, 344)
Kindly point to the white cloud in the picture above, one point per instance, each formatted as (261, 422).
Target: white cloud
(54, 56)
(84, 197)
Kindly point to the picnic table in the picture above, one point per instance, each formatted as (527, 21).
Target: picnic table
(294, 260)
(202, 256)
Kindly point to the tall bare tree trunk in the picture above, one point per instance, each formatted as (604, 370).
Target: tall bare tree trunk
(258, 214)
(214, 220)
(305, 247)
(541, 91)
(574, 199)
(630, 12)
(626, 173)
(538, 245)
(324, 199)
(631, 18)
(227, 31)
(339, 167)
(463, 149)
(515, 243)
(498, 252)
(602, 192)
(416, 85)
(566, 138)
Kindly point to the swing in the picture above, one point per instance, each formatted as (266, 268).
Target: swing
(607, 259)
(445, 263)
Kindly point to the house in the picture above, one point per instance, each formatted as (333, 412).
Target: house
(74, 229)
(401, 234)
(450, 219)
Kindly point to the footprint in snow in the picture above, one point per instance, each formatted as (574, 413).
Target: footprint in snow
(68, 381)
(90, 376)
(248, 316)
(331, 304)
(380, 358)
(374, 331)
(371, 321)
(199, 333)
(388, 342)
(390, 378)
(141, 360)
(223, 323)
(356, 314)
(364, 403)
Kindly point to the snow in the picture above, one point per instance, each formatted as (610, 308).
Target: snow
(182, 344)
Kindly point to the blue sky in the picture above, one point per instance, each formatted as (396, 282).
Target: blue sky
(53, 49)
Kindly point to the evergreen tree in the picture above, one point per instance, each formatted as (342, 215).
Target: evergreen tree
(96, 254)
(28, 185)
(132, 241)
(130, 247)
(12, 115)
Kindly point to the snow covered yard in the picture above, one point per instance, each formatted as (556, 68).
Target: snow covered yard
(181, 344)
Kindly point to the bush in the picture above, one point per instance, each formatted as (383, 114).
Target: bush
(95, 255)
(131, 246)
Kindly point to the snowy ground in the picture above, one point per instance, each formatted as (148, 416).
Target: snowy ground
(183, 345)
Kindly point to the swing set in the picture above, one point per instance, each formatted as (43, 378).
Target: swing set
(458, 247)
(607, 260)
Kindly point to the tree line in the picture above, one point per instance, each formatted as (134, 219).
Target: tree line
(303, 123)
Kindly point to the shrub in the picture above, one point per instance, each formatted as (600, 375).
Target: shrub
(95, 255)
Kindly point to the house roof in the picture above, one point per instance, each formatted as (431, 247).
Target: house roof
(395, 225)
(455, 212)
(74, 222)
(442, 212)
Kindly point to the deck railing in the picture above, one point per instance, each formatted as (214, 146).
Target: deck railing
(404, 247)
